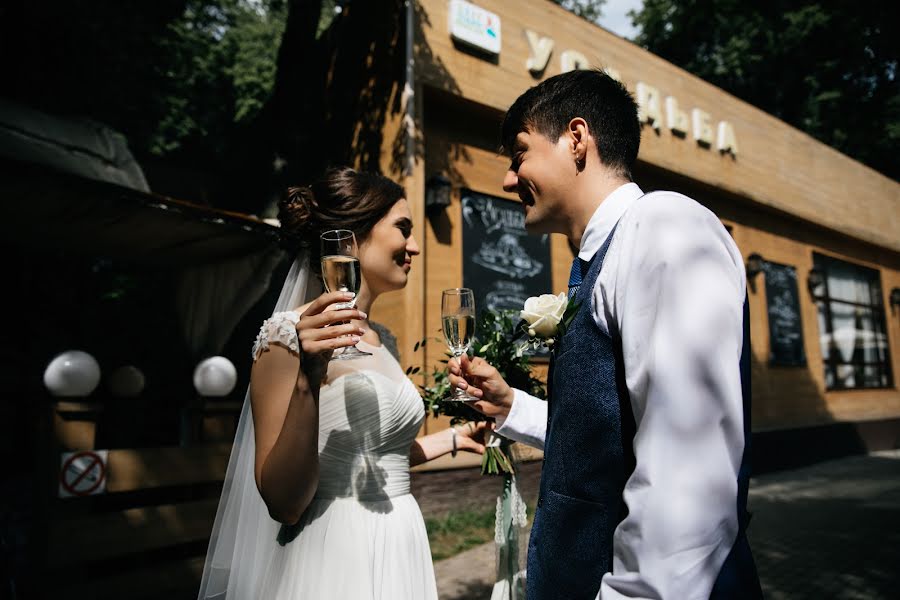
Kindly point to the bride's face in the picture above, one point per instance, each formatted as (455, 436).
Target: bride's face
(385, 256)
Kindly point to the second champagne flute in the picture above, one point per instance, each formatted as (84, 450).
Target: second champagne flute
(458, 321)
(341, 273)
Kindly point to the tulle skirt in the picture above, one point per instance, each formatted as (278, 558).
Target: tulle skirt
(352, 548)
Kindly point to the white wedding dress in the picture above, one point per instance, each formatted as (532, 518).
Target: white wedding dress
(363, 536)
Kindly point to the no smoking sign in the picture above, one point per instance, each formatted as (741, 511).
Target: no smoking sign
(82, 473)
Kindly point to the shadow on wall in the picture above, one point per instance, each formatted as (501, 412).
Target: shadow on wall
(798, 446)
(362, 72)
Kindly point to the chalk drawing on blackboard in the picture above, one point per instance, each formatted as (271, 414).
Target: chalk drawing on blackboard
(507, 256)
(494, 216)
(783, 308)
(506, 295)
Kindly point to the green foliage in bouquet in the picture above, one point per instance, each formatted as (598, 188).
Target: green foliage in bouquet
(495, 341)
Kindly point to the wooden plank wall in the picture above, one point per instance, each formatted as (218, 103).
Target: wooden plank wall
(146, 537)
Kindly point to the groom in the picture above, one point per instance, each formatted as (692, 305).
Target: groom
(646, 433)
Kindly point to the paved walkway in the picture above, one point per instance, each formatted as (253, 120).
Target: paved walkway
(828, 531)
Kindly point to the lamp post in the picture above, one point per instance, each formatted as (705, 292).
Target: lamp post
(214, 377)
(73, 374)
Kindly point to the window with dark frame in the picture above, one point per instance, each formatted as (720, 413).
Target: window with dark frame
(852, 330)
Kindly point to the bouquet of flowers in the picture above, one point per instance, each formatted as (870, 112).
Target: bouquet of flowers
(541, 321)
(495, 342)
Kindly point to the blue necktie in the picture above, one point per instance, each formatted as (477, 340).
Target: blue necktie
(575, 277)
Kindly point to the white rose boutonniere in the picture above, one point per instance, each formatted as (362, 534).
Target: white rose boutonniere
(546, 317)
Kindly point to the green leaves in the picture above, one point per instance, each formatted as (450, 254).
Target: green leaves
(495, 341)
(569, 314)
(590, 10)
(783, 58)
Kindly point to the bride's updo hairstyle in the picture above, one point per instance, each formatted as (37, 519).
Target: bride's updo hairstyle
(341, 199)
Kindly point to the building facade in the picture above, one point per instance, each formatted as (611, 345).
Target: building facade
(820, 234)
(820, 231)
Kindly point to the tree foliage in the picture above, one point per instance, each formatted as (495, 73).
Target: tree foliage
(827, 68)
(220, 74)
(224, 101)
(586, 9)
(182, 79)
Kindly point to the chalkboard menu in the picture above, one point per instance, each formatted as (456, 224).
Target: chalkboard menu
(502, 264)
(785, 330)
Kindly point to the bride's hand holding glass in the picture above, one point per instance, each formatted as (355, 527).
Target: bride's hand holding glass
(341, 272)
(325, 326)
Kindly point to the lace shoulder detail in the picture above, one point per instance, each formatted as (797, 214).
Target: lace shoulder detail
(280, 328)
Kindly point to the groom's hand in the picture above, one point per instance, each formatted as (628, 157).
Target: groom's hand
(481, 380)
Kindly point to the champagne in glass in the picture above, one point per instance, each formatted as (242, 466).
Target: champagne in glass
(341, 273)
(458, 320)
(458, 331)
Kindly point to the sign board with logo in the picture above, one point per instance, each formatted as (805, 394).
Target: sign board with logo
(502, 264)
(472, 25)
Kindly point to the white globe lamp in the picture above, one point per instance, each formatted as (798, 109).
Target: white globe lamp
(72, 374)
(126, 382)
(215, 377)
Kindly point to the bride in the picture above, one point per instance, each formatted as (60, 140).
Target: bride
(316, 502)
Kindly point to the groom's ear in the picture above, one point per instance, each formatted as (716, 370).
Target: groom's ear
(577, 133)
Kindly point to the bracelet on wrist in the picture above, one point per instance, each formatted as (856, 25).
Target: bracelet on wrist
(453, 436)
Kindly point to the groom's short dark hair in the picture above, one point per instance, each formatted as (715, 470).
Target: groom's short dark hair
(608, 108)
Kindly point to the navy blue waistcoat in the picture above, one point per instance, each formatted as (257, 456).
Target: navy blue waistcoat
(588, 458)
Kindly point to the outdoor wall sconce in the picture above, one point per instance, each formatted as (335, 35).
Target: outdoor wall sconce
(437, 193)
(754, 265)
(72, 374)
(894, 298)
(814, 280)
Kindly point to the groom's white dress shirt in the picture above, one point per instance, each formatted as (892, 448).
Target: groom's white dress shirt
(673, 284)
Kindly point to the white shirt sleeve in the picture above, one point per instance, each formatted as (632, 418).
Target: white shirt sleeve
(526, 421)
(674, 284)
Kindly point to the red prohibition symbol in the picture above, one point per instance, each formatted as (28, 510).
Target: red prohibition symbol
(82, 473)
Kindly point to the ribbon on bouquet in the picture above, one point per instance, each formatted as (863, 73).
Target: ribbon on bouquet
(511, 516)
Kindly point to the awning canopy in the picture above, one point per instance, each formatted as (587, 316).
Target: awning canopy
(46, 209)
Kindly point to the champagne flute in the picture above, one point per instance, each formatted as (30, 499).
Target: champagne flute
(458, 320)
(340, 272)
